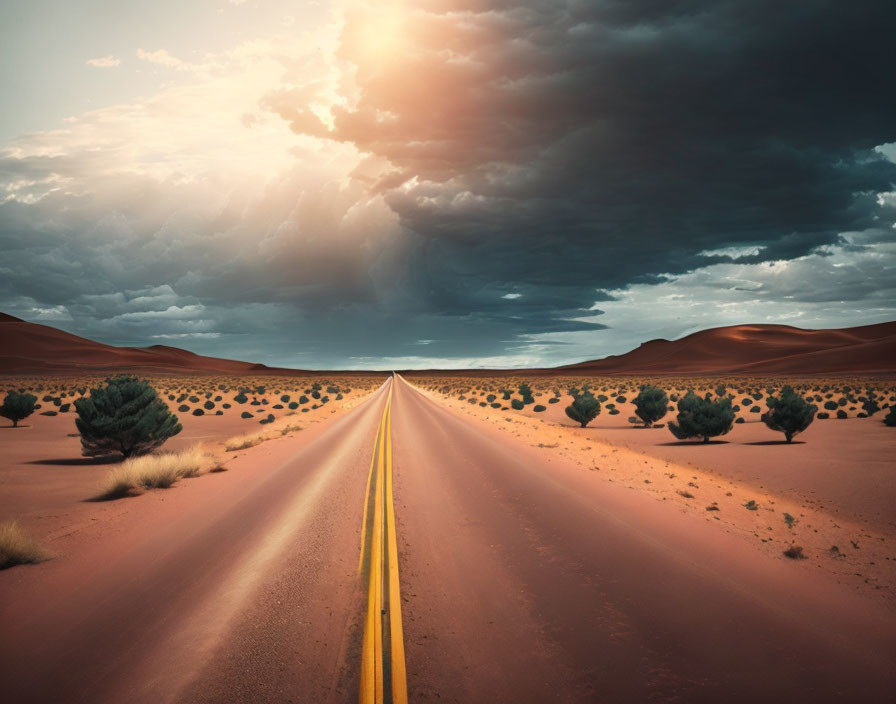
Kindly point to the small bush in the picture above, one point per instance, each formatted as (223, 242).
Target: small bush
(584, 408)
(702, 417)
(16, 548)
(245, 414)
(890, 418)
(650, 404)
(17, 406)
(517, 405)
(794, 552)
(126, 416)
(822, 415)
(538, 409)
(158, 471)
(789, 413)
(841, 414)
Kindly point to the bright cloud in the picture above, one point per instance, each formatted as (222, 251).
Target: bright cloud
(104, 62)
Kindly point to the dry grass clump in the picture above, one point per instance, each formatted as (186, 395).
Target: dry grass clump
(244, 442)
(159, 471)
(16, 548)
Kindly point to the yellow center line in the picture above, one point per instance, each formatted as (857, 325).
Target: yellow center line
(382, 650)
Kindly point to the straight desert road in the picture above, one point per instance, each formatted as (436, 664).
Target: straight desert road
(533, 582)
(518, 580)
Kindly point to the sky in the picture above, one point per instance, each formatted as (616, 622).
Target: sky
(444, 183)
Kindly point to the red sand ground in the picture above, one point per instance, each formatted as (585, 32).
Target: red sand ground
(836, 480)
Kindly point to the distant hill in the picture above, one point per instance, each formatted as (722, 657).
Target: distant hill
(757, 349)
(32, 348)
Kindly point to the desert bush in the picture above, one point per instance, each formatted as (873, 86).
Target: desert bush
(702, 417)
(870, 405)
(651, 404)
(17, 406)
(184, 408)
(198, 412)
(240, 398)
(841, 414)
(245, 414)
(124, 417)
(584, 408)
(538, 409)
(890, 418)
(789, 413)
(517, 405)
(823, 415)
(16, 548)
(525, 392)
(158, 471)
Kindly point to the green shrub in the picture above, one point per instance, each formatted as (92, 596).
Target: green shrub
(650, 405)
(517, 405)
(198, 412)
(183, 408)
(822, 415)
(17, 406)
(240, 398)
(584, 408)
(124, 417)
(890, 418)
(702, 417)
(841, 414)
(245, 414)
(209, 405)
(870, 405)
(538, 409)
(789, 413)
(526, 393)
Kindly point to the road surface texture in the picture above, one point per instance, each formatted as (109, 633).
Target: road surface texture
(518, 580)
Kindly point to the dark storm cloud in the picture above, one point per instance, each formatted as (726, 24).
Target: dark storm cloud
(523, 162)
(595, 144)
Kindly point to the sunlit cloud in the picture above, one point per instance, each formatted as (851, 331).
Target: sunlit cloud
(104, 62)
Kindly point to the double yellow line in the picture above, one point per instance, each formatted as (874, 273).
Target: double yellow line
(383, 673)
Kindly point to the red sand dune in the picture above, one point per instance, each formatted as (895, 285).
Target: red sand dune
(757, 349)
(32, 348)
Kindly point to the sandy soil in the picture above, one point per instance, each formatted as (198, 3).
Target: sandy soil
(837, 483)
(48, 487)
